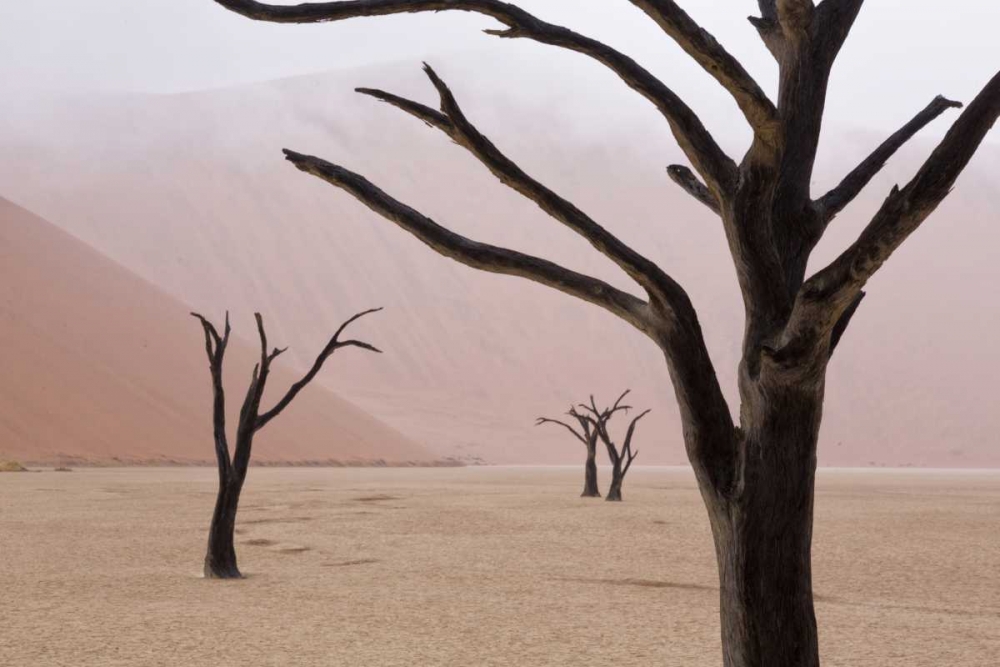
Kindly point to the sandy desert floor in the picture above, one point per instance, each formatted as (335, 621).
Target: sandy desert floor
(471, 567)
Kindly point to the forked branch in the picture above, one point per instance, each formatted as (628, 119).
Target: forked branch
(331, 347)
(627, 452)
(906, 208)
(834, 201)
(215, 349)
(600, 418)
(452, 121)
(825, 298)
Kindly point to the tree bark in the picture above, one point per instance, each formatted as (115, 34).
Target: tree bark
(615, 490)
(590, 488)
(763, 534)
(220, 559)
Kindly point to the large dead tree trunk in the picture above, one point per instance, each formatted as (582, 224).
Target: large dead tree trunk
(589, 436)
(220, 558)
(756, 478)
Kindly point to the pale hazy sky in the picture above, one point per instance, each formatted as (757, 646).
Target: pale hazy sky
(901, 53)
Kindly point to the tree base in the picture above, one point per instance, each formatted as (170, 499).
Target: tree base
(215, 570)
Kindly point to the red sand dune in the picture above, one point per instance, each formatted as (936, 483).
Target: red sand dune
(191, 192)
(102, 367)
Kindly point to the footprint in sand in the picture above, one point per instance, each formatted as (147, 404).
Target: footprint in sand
(346, 563)
(260, 543)
(375, 498)
(294, 550)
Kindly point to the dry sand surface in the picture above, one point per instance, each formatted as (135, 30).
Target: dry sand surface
(470, 567)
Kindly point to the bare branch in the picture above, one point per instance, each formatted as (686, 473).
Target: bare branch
(834, 201)
(631, 428)
(250, 401)
(600, 418)
(212, 340)
(835, 18)
(592, 409)
(617, 404)
(473, 253)
(830, 293)
(453, 122)
(906, 209)
(349, 322)
(215, 348)
(432, 117)
(714, 59)
(263, 343)
(701, 149)
(627, 446)
(683, 177)
(546, 420)
(331, 347)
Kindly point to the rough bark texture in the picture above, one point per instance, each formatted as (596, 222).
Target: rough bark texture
(590, 487)
(756, 478)
(220, 557)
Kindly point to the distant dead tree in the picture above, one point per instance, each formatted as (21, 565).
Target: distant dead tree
(757, 479)
(621, 459)
(220, 559)
(588, 435)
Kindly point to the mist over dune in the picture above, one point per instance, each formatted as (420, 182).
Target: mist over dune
(190, 192)
(101, 366)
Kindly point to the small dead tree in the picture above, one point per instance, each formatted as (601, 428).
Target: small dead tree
(220, 559)
(621, 459)
(757, 477)
(588, 435)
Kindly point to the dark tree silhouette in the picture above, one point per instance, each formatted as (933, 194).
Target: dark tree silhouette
(589, 436)
(757, 478)
(621, 459)
(220, 559)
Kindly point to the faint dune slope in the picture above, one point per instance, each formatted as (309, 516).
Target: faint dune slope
(191, 192)
(101, 366)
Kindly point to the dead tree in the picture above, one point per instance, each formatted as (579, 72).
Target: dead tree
(621, 459)
(588, 435)
(220, 559)
(757, 477)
